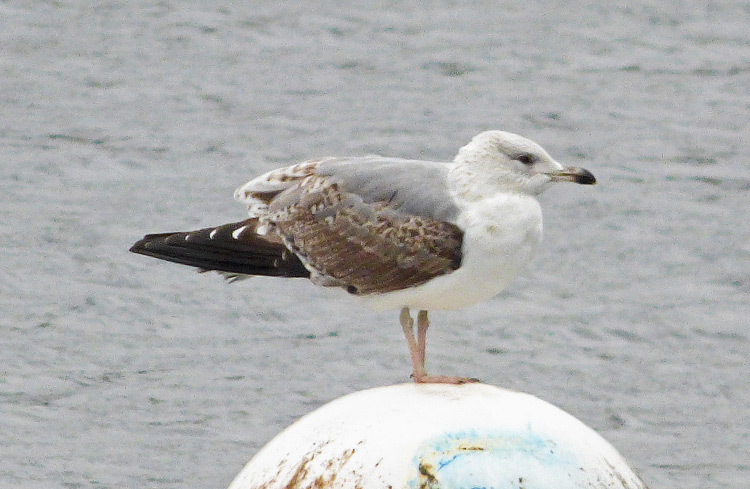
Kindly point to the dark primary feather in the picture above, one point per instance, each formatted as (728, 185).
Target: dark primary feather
(244, 253)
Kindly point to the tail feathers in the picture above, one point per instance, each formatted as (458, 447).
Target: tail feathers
(232, 249)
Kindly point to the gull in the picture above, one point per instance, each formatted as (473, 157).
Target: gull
(398, 234)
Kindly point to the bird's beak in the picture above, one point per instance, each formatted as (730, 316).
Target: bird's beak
(573, 174)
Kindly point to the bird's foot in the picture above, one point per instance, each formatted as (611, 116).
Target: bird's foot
(444, 379)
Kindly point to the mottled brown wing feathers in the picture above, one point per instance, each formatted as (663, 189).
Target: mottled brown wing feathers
(364, 247)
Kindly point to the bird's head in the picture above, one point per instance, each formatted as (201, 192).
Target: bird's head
(512, 162)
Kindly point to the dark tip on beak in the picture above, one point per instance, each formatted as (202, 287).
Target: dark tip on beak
(584, 177)
(574, 174)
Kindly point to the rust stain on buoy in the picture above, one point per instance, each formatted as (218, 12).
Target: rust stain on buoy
(475, 448)
(303, 472)
(427, 479)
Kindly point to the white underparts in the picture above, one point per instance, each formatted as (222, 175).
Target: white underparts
(501, 234)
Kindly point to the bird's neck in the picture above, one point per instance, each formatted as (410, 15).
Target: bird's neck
(472, 183)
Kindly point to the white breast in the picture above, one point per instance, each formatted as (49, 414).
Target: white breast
(501, 235)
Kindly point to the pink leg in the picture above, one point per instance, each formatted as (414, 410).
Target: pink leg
(417, 360)
(417, 348)
(422, 324)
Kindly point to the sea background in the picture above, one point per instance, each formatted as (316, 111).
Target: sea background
(124, 118)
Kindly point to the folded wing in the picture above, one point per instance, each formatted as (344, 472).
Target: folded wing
(369, 224)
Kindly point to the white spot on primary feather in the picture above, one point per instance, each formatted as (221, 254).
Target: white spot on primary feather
(213, 233)
(236, 233)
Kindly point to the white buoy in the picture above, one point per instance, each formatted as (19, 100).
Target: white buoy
(438, 436)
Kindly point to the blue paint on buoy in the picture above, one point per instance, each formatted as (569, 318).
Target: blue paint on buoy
(489, 459)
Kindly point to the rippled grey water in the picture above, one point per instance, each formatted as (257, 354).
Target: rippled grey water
(121, 118)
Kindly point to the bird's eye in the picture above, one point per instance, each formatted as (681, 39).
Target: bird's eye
(526, 159)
